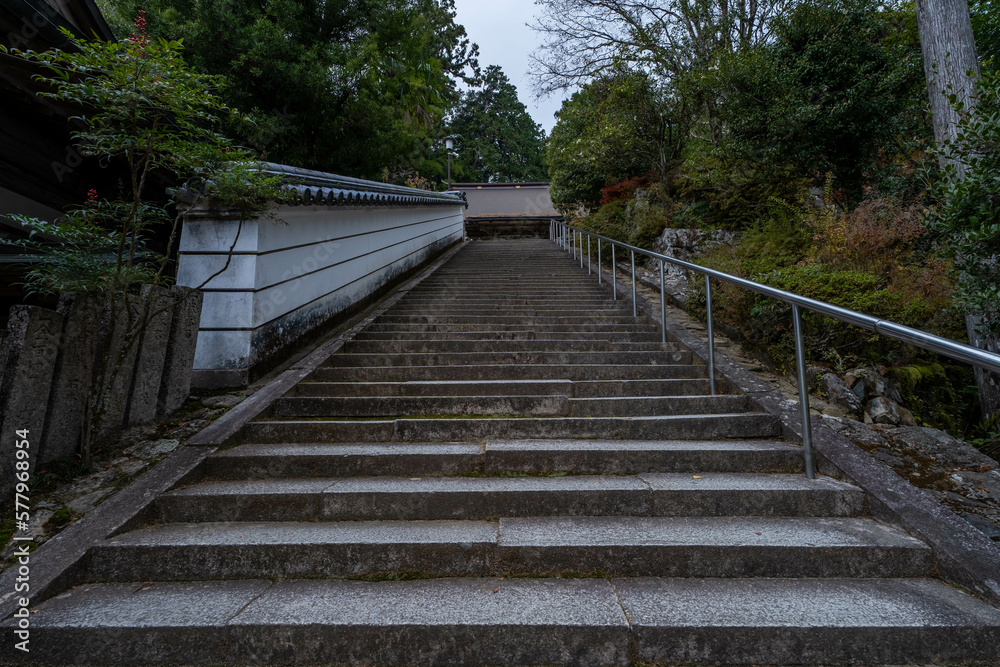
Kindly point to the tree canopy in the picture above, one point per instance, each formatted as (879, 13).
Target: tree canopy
(496, 138)
(359, 87)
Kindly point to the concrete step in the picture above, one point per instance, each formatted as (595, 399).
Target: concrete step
(404, 459)
(693, 427)
(637, 406)
(445, 310)
(444, 343)
(518, 320)
(490, 621)
(442, 622)
(539, 329)
(413, 498)
(579, 300)
(494, 371)
(488, 337)
(396, 406)
(500, 404)
(644, 357)
(445, 388)
(580, 389)
(629, 546)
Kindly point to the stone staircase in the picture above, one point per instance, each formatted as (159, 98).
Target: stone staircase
(507, 468)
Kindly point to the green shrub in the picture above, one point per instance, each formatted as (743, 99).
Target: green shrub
(939, 395)
(766, 324)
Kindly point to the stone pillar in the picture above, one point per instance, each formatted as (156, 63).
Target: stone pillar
(73, 380)
(156, 309)
(175, 385)
(117, 384)
(28, 354)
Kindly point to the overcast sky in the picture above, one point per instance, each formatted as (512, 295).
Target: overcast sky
(498, 27)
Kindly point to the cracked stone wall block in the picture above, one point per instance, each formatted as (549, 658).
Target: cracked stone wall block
(178, 366)
(157, 308)
(28, 355)
(120, 359)
(72, 382)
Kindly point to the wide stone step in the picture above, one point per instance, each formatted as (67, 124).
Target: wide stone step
(581, 301)
(576, 372)
(411, 498)
(499, 404)
(646, 357)
(445, 344)
(694, 427)
(397, 406)
(489, 337)
(443, 310)
(490, 621)
(541, 329)
(442, 622)
(259, 461)
(635, 406)
(628, 546)
(580, 389)
(518, 320)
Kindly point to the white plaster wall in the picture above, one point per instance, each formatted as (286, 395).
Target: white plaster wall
(286, 277)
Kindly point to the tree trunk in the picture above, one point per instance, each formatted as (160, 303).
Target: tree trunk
(952, 68)
(950, 63)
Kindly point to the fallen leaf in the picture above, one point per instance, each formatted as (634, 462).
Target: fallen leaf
(758, 533)
(697, 476)
(496, 590)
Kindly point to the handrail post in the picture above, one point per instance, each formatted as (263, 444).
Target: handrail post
(800, 363)
(614, 274)
(711, 336)
(635, 306)
(599, 268)
(581, 248)
(589, 262)
(663, 305)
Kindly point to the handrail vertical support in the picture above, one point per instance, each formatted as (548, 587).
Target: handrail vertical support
(663, 305)
(711, 335)
(599, 271)
(800, 363)
(614, 274)
(588, 255)
(581, 248)
(635, 306)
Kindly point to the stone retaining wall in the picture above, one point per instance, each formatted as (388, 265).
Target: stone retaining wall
(47, 367)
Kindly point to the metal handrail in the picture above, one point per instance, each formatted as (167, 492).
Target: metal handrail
(567, 237)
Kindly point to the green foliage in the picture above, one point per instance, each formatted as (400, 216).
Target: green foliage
(937, 394)
(828, 94)
(80, 250)
(637, 220)
(143, 107)
(497, 141)
(614, 128)
(967, 213)
(351, 86)
(794, 249)
(985, 15)
(719, 191)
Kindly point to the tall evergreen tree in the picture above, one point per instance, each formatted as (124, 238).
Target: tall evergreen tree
(358, 87)
(496, 138)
